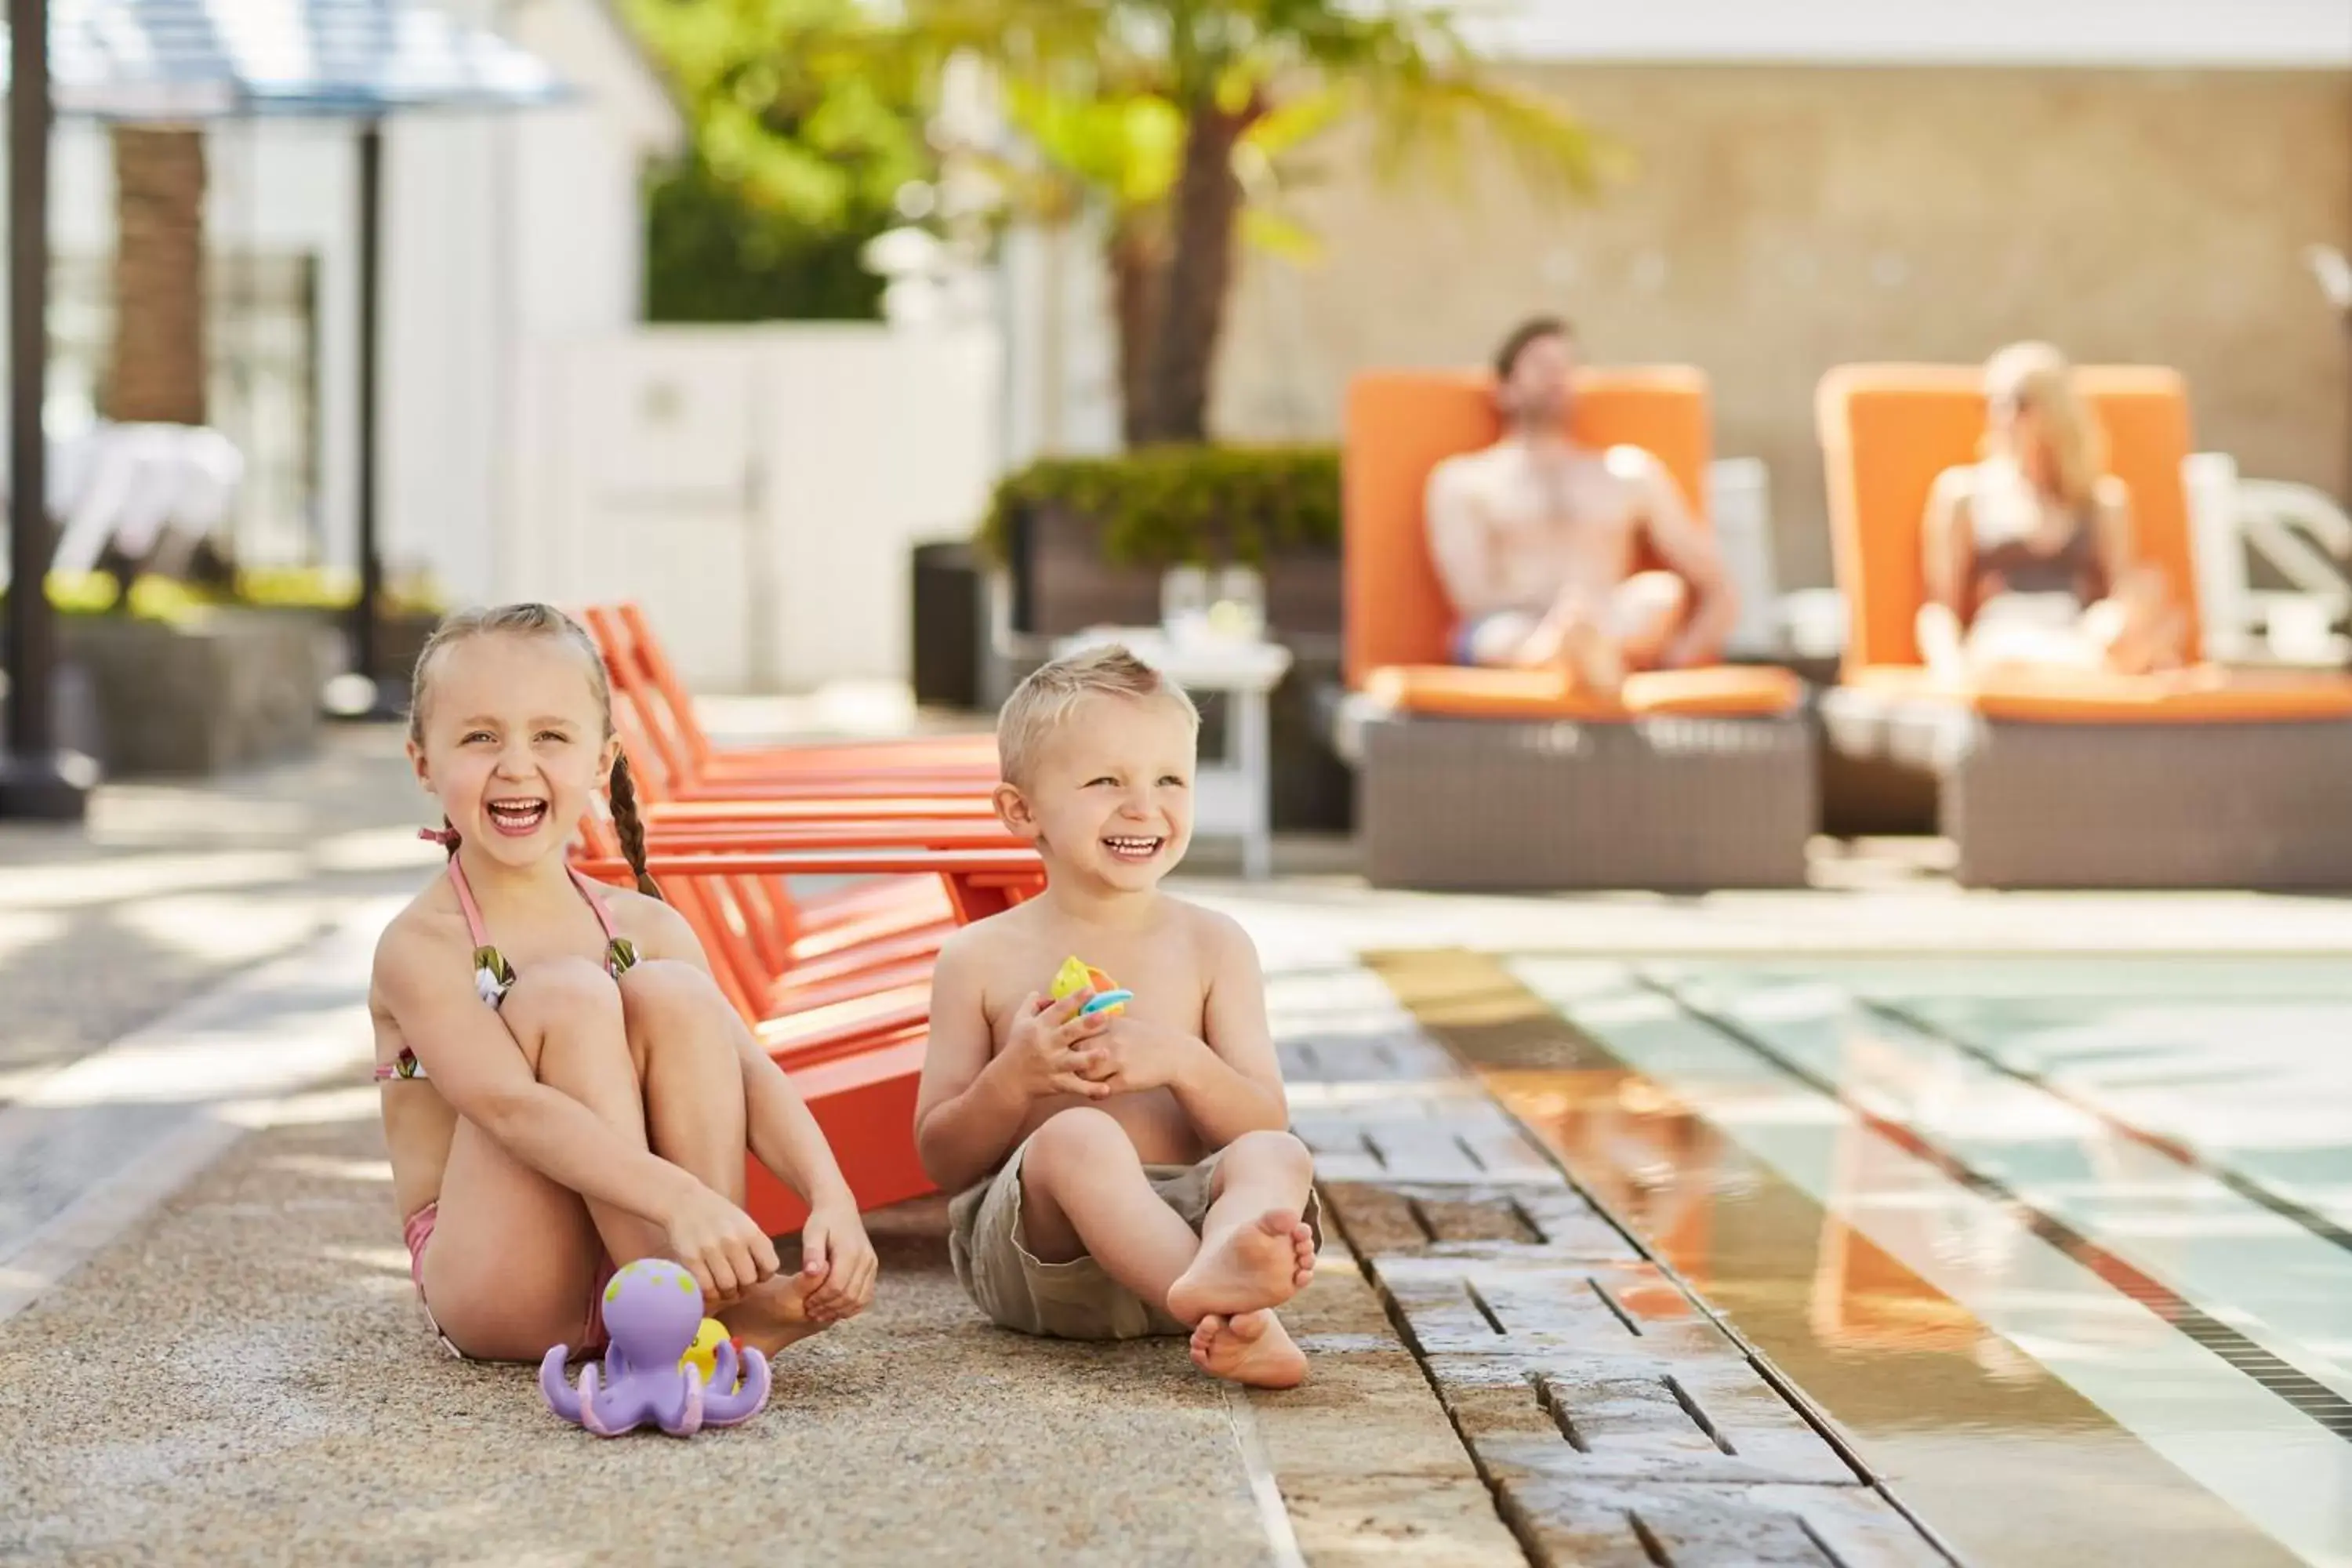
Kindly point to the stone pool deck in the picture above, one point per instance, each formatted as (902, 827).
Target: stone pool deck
(212, 1349)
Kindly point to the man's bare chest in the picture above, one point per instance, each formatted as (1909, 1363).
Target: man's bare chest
(1572, 512)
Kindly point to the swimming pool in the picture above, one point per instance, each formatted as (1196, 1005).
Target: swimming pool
(2064, 1248)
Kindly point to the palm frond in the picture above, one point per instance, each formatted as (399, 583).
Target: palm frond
(1442, 122)
(1280, 236)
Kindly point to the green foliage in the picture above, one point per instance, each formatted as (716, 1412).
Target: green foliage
(1107, 96)
(1182, 505)
(273, 587)
(797, 161)
(714, 254)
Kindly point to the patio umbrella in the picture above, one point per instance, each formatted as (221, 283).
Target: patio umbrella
(183, 62)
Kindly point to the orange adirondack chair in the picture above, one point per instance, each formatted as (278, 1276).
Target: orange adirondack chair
(669, 738)
(753, 927)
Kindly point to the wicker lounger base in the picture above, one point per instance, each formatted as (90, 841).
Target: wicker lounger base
(2120, 805)
(1664, 804)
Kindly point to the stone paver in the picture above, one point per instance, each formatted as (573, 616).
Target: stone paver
(1613, 1419)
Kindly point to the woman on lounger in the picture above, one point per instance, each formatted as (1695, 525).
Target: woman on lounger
(2028, 552)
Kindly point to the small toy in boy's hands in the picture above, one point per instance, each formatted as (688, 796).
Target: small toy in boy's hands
(653, 1312)
(1077, 975)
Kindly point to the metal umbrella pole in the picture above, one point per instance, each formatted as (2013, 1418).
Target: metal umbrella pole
(36, 781)
(377, 697)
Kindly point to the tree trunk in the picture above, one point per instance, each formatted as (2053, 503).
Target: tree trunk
(156, 368)
(1192, 308)
(1137, 268)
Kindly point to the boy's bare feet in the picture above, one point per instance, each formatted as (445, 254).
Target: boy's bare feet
(1262, 1264)
(774, 1314)
(1249, 1347)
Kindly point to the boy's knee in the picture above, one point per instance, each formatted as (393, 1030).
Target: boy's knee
(1271, 1148)
(1080, 1136)
(559, 992)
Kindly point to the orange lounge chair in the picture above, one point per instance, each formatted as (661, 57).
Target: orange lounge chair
(858, 1063)
(857, 782)
(1486, 778)
(770, 959)
(2208, 777)
(666, 739)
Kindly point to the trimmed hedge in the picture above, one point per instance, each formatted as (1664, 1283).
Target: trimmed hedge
(268, 587)
(1172, 506)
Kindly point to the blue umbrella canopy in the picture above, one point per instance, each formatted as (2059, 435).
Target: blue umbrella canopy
(208, 59)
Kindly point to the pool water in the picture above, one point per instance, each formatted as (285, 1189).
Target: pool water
(2064, 1249)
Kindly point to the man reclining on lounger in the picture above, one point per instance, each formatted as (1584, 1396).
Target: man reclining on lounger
(1535, 539)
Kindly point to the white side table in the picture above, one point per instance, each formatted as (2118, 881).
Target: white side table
(1231, 794)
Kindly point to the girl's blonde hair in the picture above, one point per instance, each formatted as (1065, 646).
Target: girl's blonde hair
(1040, 701)
(531, 620)
(2035, 376)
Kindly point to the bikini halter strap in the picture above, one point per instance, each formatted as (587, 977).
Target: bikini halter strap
(474, 927)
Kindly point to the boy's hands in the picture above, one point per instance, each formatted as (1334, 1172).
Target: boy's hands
(1056, 1051)
(834, 1244)
(724, 1248)
(1139, 1055)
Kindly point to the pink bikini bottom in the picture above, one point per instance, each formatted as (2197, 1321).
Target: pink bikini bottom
(418, 1230)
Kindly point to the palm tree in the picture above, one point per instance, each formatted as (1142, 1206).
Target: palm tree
(1240, 81)
(156, 365)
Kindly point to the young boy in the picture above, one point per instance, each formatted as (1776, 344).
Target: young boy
(1128, 1174)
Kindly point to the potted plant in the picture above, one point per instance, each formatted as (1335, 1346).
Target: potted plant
(1087, 541)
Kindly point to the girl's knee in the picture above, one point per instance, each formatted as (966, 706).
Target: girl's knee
(559, 992)
(669, 992)
(675, 1011)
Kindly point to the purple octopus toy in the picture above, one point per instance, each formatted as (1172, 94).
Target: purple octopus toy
(652, 1311)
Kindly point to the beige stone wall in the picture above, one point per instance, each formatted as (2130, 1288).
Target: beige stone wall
(1784, 220)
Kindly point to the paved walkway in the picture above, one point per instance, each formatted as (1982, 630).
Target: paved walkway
(172, 886)
(237, 1367)
(211, 1345)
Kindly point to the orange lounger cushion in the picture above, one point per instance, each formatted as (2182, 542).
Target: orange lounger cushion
(1719, 691)
(2204, 694)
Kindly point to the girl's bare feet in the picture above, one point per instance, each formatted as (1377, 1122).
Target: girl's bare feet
(1260, 1264)
(1249, 1347)
(774, 1314)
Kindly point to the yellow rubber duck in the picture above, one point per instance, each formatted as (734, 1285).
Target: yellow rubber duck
(704, 1352)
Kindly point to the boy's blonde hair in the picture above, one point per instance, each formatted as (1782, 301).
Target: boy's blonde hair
(1041, 701)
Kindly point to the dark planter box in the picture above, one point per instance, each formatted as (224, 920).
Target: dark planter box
(945, 625)
(230, 689)
(73, 708)
(399, 638)
(1062, 583)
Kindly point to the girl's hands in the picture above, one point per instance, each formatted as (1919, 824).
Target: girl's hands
(834, 1244)
(724, 1248)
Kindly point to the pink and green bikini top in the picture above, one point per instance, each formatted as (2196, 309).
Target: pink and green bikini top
(493, 975)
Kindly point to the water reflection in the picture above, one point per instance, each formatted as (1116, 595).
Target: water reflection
(1870, 1277)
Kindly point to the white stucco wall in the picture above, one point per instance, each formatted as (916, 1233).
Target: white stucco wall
(2272, 34)
(500, 231)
